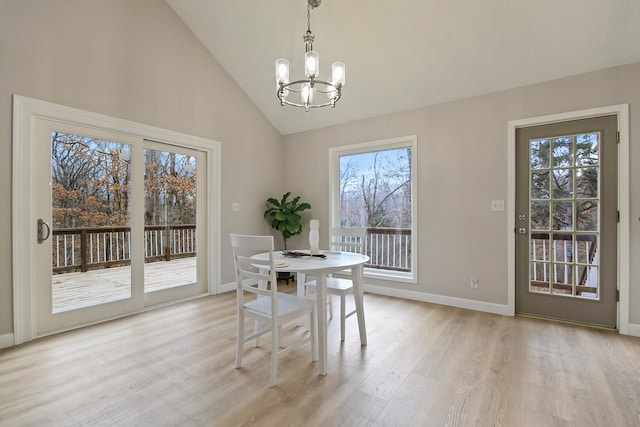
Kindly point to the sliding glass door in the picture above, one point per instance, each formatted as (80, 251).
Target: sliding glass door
(121, 224)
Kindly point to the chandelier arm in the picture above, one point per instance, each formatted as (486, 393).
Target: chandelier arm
(314, 81)
(291, 87)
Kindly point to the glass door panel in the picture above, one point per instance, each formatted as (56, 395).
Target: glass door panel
(90, 227)
(83, 264)
(564, 194)
(172, 186)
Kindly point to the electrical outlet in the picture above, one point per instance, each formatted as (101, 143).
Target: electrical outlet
(497, 205)
(474, 282)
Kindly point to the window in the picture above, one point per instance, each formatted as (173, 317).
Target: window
(374, 187)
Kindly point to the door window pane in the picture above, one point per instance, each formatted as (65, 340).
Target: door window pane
(572, 163)
(539, 153)
(90, 189)
(562, 183)
(539, 215)
(587, 149)
(540, 185)
(540, 247)
(587, 248)
(563, 216)
(587, 215)
(562, 152)
(587, 183)
(170, 219)
(539, 274)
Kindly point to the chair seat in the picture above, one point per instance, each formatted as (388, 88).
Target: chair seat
(335, 286)
(287, 305)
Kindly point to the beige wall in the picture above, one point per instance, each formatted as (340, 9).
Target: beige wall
(136, 60)
(462, 166)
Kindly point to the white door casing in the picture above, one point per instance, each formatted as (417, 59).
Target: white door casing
(623, 274)
(24, 234)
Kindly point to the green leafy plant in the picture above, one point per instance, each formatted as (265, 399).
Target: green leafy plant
(285, 215)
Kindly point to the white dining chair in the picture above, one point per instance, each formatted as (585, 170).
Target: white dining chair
(343, 239)
(270, 309)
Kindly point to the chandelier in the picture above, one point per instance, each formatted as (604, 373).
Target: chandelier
(311, 88)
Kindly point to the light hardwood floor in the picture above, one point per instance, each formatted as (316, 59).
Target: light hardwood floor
(425, 365)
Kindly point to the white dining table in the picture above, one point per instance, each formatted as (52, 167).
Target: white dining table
(320, 268)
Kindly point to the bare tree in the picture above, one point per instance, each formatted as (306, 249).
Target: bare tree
(383, 189)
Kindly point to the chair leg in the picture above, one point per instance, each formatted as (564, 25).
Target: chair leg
(343, 312)
(240, 344)
(330, 306)
(256, 328)
(275, 341)
(279, 336)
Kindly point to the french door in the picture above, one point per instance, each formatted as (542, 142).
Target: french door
(121, 223)
(566, 221)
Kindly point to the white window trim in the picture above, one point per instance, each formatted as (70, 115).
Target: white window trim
(334, 185)
(25, 112)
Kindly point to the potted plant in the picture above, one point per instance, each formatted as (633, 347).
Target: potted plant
(285, 215)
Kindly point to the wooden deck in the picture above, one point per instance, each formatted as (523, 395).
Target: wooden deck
(77, 290)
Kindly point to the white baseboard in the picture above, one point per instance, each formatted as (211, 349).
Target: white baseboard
(439, 299)
(418, 296)
(634, 329)
(227, 287)
(6, 340)
(487, 307)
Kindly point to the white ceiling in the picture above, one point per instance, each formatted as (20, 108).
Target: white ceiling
(406, 54)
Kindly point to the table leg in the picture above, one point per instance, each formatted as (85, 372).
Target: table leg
(300, 281)
(262, 284)
(321, 306)
(358, 292)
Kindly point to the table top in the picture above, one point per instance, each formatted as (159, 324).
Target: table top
(333, 261)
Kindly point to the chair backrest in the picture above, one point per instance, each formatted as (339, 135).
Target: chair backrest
(251, 275)
(348, 239)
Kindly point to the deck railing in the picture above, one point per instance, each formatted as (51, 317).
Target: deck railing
(565, 255)
(91, 248)
(389, 248)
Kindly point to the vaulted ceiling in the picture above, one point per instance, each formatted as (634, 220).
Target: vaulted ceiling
(406, 54)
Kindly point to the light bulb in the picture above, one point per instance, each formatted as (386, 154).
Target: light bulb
(338, 73)
(282, 70)
(311, 64)
(306, 94)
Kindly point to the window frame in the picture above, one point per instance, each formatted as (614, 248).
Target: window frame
(410, 141)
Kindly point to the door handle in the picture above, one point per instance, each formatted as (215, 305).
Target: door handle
(41, 225)
(522, 230)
